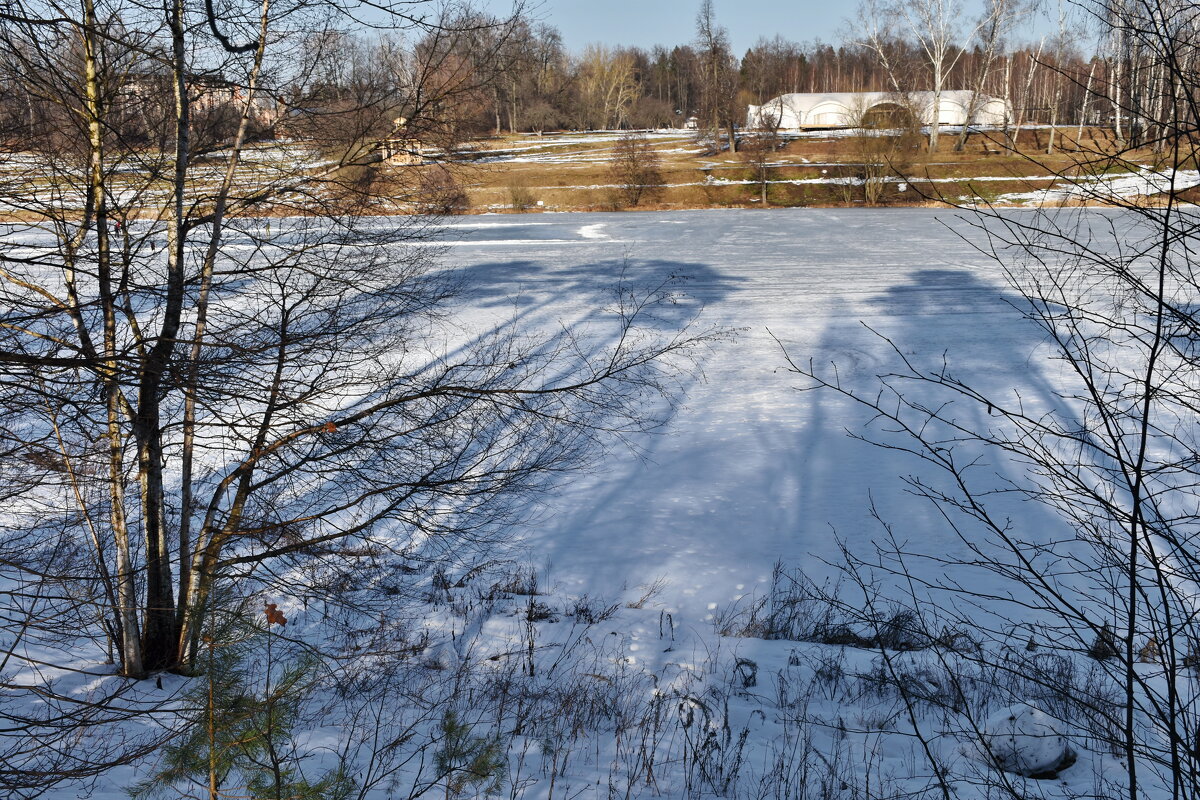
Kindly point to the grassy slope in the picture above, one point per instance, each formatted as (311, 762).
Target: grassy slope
(571, 172)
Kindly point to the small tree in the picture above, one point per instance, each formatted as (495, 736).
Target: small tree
(759, 147)
(243, 710)
(636, 169)
(439, 192)
(467, 761)
(885, 138)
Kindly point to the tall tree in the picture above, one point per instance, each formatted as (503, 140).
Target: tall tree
(218, 373)
(937, 27)
(997, 21)
(719, 106)
(607, 87)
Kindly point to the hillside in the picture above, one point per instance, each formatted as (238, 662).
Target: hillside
(572, 171)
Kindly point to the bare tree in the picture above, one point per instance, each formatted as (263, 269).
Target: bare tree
(938, 28)
(878, 25)
(219, 376)
(998, 19)
(607, 87)
(760, 147)
(1061, 43)
(719, 106)
(636, 168)
(1109, 451)
(937, 25)
(884, 141)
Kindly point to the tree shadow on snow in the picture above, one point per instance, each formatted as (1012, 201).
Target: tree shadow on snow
(946, 321)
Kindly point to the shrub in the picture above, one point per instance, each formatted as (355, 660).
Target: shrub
(636, 169)
(440, 193)
(520, 197)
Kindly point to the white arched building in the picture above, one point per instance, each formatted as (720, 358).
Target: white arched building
(852, 109)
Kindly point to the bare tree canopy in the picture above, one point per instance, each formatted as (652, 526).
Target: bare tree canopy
(1109, 453)
(218, 373)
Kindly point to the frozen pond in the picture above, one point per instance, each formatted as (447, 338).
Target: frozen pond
(747, 471)
(750, 470)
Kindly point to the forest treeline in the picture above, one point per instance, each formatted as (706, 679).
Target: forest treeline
(515, 74)
(609, 87)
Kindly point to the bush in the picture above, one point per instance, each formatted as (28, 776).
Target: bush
(636, 169)
(1105, 645)
(520, 197)
(440, 193)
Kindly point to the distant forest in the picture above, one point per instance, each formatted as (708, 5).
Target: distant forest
(540, 85)
(470, 74)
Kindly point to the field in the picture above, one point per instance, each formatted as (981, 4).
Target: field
(570, 171)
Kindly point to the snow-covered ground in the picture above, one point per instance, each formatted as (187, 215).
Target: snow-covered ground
(1107, 188)
(550, 149)
(749, 470)
(747, 473)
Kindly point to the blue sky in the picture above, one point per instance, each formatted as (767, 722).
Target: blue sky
(648, 22)
(645, 23)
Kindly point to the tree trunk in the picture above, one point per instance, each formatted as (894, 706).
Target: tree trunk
(160, 634)
(127, 600)
(1054, 112)
(1008, 104)
(206, 273)
(935, 123)
(1087, 95)
(1116, 97)
(1024, 99)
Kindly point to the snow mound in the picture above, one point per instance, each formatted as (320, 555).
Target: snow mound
(1023, 740)
(441, 655)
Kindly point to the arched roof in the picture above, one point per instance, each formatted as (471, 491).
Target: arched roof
(799, 109)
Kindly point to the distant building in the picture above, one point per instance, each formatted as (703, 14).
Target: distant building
(876, 109)
(207, 93)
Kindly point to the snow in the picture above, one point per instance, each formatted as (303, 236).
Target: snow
(549, 149)
(1023, 740)
(683, 529)
(749, 470)
(1106, 188)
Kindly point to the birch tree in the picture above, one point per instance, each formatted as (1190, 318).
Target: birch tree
(939, 30)
(607, 87)
(219, 376)
(997, 21)
(938, 27)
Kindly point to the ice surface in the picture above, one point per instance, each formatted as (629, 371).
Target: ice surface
(749, 470)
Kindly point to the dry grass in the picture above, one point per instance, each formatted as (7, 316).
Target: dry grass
(570, 172)
(580, 181)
